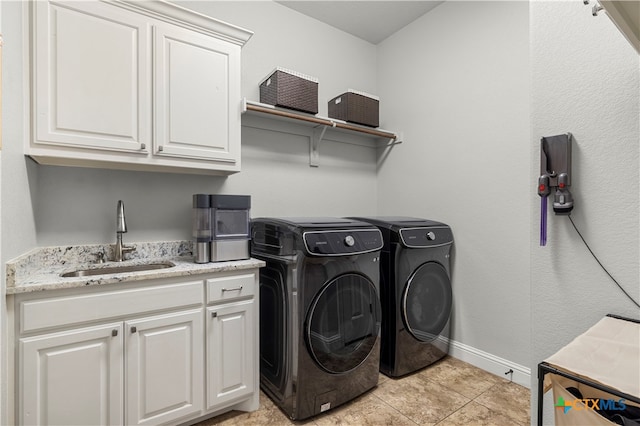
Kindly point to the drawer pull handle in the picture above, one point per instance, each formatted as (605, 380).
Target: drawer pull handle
(214, 314)
(133, 329)
(114, 332)
(232, 289)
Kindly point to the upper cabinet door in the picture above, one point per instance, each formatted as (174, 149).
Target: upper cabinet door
(92, 71)
(197, 95)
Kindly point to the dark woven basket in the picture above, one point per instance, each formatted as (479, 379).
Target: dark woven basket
(355, 108)
(291, 91)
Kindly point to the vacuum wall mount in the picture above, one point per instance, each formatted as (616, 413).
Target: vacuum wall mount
(555, 176)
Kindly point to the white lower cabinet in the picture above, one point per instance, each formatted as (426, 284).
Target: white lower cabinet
(230, 361)
(144, 354)
(73, 377)
(165, 372)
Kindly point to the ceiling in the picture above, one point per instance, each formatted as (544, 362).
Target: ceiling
(372, 21)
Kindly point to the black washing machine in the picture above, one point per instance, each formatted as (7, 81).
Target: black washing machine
(319, 311)
(415, 290)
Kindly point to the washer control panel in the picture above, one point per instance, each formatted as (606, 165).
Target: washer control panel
(426, 237)
(342, 242)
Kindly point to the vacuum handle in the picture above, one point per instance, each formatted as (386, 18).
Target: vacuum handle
(562, 199)
(543, 186)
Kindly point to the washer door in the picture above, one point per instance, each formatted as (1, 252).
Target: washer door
(426, 302)
(343, 323)
(273, 326)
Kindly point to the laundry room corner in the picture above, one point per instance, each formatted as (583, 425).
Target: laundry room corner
(585, 80)
(462, 101)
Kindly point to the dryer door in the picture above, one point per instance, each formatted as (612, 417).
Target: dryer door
(343, 323)
(426, 301)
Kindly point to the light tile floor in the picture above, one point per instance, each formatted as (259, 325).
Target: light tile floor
(448, 393)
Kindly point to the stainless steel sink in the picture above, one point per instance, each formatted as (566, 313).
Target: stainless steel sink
(117, 269)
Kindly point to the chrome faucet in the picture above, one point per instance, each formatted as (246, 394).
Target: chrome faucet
(119, 249)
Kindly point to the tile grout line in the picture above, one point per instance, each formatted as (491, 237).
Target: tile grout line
(452, 413)
(395, 409)
(469, 400)
(452, 391)
(491, 409)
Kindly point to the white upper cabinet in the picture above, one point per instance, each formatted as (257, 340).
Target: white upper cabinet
(135, 85)
(92, 77)
(195, 96)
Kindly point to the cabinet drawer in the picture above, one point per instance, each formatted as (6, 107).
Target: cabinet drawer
(231, 287)
(62, 311)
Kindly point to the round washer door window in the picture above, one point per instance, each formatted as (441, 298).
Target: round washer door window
(426, 302)
(343, 323)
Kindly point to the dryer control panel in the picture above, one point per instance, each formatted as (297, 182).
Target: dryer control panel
(342, 242)
(432, 236)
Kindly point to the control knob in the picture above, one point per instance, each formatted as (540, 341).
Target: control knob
(431, 236)
(349, 241)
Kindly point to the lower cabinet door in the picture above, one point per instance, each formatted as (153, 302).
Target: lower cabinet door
(73, 377)
(165, 377)
(230, 353)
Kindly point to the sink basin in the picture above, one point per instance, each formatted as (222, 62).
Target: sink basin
(117, 269)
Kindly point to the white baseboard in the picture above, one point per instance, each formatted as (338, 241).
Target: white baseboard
(491, 363)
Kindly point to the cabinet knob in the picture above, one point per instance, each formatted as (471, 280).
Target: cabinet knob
(133, 329)
(143, 146)
(160, 148)
(214, 314)
(114, 332)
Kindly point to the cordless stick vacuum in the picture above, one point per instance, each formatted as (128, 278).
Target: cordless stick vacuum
(555, 169)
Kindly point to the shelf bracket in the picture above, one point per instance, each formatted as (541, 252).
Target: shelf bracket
(387, 148)
(314, 145)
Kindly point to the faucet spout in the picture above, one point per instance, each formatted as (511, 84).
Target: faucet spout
(121, 224)
(119, 249)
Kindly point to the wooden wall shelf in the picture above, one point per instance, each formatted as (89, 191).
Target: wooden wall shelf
(320, 126)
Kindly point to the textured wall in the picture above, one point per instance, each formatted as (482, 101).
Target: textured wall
(585, 80)
(461, 99)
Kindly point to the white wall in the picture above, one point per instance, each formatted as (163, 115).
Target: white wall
(3, 307)
(456, 83)
(585, 80)
(18, 225)
(15, 203)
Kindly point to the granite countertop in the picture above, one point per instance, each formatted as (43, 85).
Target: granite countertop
(41, 268)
